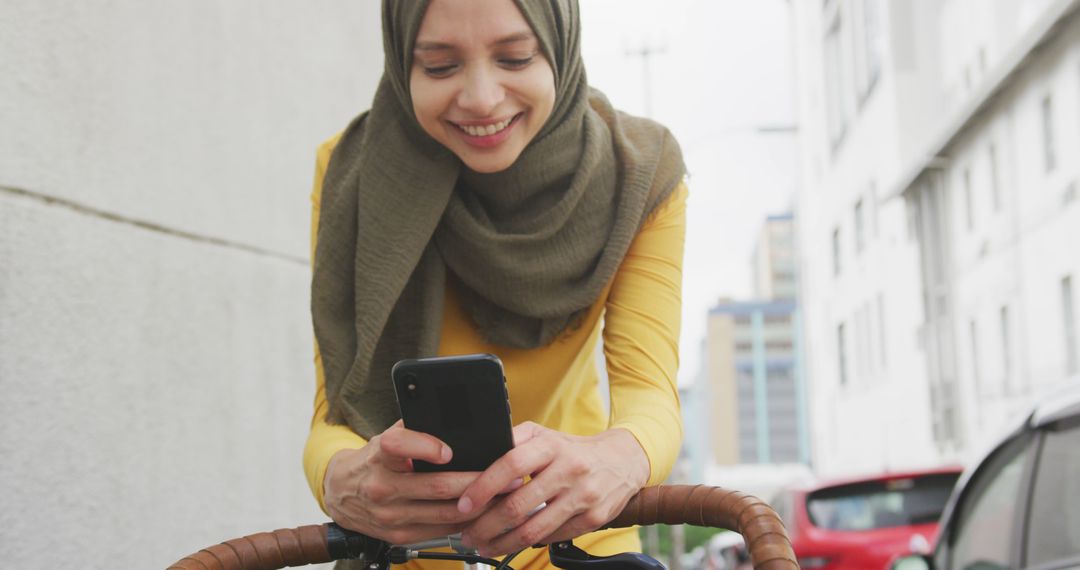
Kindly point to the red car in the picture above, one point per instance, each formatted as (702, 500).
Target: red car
(865, 523)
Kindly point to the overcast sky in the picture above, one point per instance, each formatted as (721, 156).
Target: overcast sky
(722, 70)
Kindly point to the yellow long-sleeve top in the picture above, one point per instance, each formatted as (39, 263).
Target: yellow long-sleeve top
(557, 385)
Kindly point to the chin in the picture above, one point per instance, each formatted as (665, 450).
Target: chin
(489, 165)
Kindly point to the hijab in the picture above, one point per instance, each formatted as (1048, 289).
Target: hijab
(529, 249)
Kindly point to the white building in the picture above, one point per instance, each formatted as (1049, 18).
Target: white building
(906, 108)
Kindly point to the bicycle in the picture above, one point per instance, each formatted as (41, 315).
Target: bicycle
(698, 505)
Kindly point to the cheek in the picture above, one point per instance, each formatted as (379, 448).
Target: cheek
(541, 88)
(427, 101)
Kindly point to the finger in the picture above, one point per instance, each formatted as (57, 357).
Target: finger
(577, 525)
(526, 431)
(409, 444)
(511, 511)
(513, 486)
(435, 486)
(517, 463)
(533, 530)
(415, 533)
(429, 513)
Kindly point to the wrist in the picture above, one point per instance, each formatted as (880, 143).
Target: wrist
(637, 460)
(331, 469)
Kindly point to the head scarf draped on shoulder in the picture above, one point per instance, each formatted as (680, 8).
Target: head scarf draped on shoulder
(529, 249)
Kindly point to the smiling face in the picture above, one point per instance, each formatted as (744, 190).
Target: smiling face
(480, 84)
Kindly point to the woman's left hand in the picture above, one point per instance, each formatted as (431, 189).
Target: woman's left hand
(585, 482)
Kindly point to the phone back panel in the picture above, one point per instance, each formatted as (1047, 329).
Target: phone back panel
(461, 400)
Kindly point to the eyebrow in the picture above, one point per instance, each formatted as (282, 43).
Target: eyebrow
(441, 46)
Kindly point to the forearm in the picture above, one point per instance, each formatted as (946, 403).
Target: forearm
(324, 440)
(641, 337)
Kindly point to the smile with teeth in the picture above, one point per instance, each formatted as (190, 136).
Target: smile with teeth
(485, 130)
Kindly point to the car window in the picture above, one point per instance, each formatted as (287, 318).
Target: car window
(871, 505)
(982, 535)
(1054, 523)
(781, 503)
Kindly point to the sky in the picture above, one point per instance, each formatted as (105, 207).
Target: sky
(721, 70)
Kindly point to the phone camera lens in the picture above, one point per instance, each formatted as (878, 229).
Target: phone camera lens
(411, 386)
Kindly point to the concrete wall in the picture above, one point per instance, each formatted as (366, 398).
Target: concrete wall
(155, 344)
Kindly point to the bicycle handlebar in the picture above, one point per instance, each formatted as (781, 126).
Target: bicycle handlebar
(697, 505)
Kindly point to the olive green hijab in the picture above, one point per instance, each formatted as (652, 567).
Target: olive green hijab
(529, 249)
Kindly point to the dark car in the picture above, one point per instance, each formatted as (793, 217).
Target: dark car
(865, 522)
(1019, 507)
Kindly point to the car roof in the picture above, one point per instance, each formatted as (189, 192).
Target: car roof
(872, 477)
(1061, 404)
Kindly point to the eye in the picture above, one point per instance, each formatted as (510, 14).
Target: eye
(438, 71)
(516, 63)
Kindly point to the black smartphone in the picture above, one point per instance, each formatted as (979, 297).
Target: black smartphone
(462, 400)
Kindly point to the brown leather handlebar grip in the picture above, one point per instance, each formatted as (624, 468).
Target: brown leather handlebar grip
(701, 505)
(698, 505)
(263, 551)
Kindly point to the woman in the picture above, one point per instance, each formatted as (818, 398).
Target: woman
(491, 202)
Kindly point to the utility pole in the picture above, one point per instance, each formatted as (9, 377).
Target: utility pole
(646, 53)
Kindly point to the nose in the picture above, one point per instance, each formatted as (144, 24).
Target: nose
(481, 93)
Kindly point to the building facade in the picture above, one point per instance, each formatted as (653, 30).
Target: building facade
(915, 198)
(755, 391)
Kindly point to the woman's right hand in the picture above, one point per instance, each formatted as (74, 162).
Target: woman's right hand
(374, 490)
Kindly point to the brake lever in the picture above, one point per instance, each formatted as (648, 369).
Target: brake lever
(569, 557)
(346, 544)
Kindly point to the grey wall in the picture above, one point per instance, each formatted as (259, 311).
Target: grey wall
(155, 343)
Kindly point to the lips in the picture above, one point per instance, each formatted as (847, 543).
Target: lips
(487, 134)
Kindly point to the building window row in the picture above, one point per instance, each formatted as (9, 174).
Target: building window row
(865, 224)
(868, 339)
(852, 55)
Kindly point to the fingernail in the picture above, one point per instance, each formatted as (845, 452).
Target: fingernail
(446, 453)
(516, 483)
(464, 505)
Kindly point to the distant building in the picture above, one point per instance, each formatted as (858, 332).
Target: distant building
(775, 259)
(755, 394)
(936, 214)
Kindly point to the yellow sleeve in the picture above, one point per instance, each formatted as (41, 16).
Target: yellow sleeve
(325, 439)
(641, 336)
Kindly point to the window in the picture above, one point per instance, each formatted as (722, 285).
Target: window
(881, 327)
(858, 334)
(778, 345)
(841, 358)
(871, 346)
(1068, 313)
(1054, 527)
(867, 40)
(1006, 358)
(835, 82)
(981, 537)
(860, 238)
(969, 206)
(995, 181)
(836, 251)
(870, 505)
(875, 225)
(975, 372)
(1049, 153)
